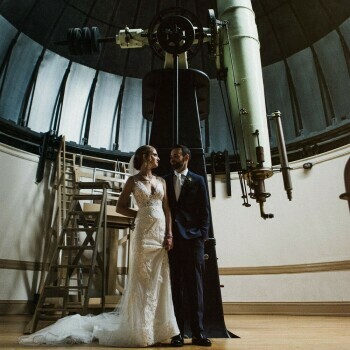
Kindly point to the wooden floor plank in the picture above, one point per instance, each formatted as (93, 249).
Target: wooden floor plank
(256, 333)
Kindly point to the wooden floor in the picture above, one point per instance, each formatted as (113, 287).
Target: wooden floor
(255, 332)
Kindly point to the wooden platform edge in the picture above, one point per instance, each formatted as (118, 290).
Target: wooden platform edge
(23, 307)
(288, 308)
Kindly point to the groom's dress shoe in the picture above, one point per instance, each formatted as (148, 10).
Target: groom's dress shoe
(201, 340)
(177, 340)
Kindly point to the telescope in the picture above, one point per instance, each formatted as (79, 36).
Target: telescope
(176, 35)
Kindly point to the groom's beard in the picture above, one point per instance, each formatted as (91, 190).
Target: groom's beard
(177, 165)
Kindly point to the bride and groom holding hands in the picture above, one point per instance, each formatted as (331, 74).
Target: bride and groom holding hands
(167, 263)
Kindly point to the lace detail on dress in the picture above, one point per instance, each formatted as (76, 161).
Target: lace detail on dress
(145, 314)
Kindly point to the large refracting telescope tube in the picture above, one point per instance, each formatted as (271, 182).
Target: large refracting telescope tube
(240, 55)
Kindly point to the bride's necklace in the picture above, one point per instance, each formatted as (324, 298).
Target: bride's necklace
(147, 178)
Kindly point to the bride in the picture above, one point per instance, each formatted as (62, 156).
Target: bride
(145, 314)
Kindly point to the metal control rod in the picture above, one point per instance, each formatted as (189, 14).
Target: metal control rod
(285, 169)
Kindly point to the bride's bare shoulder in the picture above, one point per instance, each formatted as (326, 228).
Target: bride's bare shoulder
(159, 178)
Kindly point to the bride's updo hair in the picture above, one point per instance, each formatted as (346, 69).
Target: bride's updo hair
(142, 151)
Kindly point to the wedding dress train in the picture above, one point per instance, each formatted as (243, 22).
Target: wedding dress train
(145, 314)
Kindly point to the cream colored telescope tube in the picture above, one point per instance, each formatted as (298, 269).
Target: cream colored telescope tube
(241, 56)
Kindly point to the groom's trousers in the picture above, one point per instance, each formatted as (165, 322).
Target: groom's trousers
(187, 270)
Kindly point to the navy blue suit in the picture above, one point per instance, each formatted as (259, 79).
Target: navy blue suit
(191, 219)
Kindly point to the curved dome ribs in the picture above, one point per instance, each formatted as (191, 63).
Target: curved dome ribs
(307, 24)
(117, 117)
(86, 123)
(6, 60)
(324, 91)
(25, 111)
(325, 4)
(304, 49)
(317, 17)
(57, 109)
(296, 114)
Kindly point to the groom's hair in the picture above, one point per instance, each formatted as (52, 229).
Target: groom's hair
(185, 150)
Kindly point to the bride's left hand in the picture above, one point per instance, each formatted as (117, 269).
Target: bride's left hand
(168, 242)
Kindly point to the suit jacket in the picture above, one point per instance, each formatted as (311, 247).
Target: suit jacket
(190, 213)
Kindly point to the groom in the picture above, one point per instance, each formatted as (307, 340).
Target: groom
(189, 205)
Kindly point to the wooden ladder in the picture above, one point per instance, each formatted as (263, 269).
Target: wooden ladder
(64, 189)
(65, 290)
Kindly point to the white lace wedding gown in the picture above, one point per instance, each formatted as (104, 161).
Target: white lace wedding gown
(145, 314)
